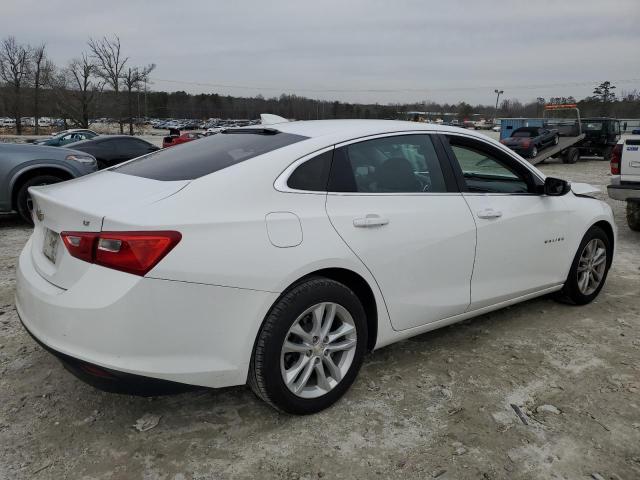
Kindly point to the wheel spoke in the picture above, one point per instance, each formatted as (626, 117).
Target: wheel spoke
(304, 376)
(344, 329)
(295, 347)
(300, 332)
(347, 344)
(318, 315)
(323, 382)
(334, 370)
(599, 257)
(293, 372)
(583, 281)
(330, 314)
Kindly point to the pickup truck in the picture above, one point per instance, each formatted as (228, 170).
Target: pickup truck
(625, 177)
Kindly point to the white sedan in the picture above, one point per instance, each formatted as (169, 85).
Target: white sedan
(279, 255)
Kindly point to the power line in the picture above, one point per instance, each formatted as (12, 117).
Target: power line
(395, 90)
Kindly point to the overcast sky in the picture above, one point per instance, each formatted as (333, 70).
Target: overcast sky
(354, 50)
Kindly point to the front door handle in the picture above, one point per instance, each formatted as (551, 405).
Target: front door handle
(370, 220)
(489, 213)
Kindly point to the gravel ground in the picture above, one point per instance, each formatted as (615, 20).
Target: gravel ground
(436, 406)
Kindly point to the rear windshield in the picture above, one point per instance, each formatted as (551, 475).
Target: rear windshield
(201, 157)
(522, 133)
(592, 126)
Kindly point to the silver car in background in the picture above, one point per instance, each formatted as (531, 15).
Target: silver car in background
(23, 166)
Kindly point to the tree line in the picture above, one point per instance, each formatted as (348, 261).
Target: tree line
(102, 82)
(32, 85)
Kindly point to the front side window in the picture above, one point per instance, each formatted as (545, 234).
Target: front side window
(487, 170)
(398, 164)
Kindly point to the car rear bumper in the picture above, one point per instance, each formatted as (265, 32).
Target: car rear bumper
(624, 191)
(178, 331)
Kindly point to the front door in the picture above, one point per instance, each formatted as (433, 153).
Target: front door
(522, 234)
(401, 214)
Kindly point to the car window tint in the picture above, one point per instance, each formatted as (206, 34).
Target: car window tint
(485, 171)
(313, 174)
(195, 159)
(398, 164)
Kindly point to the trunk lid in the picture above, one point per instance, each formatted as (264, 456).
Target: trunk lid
(80, 205)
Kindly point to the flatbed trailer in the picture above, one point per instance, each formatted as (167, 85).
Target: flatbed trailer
(569, 130)
(562, 149)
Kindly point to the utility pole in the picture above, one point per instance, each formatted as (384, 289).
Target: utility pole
(498, 93)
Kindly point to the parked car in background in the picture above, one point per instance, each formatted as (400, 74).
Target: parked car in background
(279, 256)
(110, 150)
(528, 141)
(176, 139)
(625, 177)
(601, 136)
(24, 165)
(66, 137)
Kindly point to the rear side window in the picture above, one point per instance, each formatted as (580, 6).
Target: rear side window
(196, 159)
(312, 175)
(397, 164)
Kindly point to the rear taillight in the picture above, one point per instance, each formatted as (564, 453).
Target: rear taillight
(616, 154)
(526, 143)
(131, 252)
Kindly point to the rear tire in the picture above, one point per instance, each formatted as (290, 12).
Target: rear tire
(606, 154)
(272, 362)
(633, 215)
(572, 155)
(534, 152)
(575, 290)
(23, 199)
(556, 140)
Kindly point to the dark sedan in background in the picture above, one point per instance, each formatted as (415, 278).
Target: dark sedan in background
(528, 141)
(110, 150)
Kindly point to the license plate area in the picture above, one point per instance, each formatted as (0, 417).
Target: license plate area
(50, 245)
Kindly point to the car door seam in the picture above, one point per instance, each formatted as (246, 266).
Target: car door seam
(326, 199)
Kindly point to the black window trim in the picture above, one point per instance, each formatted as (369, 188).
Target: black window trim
(520, 166)
(280, 184)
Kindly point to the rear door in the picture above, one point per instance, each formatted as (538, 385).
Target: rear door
(522, 234)
(397, 207)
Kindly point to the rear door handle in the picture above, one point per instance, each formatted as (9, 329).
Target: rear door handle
(371, 220)
(489, 213)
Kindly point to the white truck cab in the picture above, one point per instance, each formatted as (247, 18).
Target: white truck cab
(625, 177)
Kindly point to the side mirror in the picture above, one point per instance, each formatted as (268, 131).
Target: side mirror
(555, 187)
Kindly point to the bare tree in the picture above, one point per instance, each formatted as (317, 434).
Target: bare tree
(14, 70)
(109, 63)
(42, 75)
(133, 79)
(77, 89)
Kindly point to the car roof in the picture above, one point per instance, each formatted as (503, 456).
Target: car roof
(343, 130)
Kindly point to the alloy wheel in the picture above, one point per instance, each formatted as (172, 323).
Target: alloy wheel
(318, 350)
(592, 266)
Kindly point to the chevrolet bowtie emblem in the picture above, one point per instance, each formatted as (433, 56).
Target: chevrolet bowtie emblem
(40, 214)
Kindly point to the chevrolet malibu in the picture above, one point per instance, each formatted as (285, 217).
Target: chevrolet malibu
(278, 255)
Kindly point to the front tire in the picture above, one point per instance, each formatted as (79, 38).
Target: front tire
(633, 215)
(310, 347)
(23, 199)
(589, 268)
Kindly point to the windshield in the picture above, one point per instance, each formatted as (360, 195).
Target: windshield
(193, 160)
